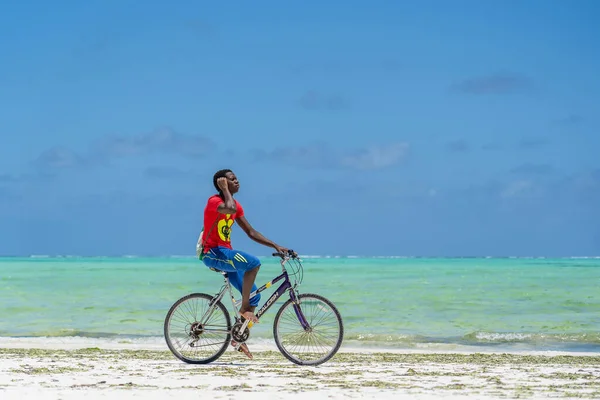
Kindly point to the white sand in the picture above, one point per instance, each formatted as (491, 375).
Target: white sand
(127, 370)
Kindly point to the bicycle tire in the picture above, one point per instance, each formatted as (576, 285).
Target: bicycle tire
(300, 361)
(176, 353)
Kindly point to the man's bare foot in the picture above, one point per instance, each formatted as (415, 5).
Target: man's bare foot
(242, 348)
(249, 315)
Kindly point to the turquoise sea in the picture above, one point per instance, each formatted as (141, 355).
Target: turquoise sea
(506, 303)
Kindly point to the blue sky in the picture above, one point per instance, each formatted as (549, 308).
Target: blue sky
(356, 128)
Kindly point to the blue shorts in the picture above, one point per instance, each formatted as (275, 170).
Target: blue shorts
(235, 263)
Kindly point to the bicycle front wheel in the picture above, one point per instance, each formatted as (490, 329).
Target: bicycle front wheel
(197, 329)
(319, 341)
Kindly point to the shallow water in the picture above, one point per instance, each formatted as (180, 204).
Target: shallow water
(533, 304)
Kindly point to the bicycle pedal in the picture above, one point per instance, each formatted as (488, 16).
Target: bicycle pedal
(238, 345)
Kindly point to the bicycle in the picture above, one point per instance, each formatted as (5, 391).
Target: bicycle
(186, 341)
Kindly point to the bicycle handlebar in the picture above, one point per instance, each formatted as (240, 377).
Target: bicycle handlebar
(291, 253)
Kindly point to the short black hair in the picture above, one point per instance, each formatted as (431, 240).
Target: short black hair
(220, 174)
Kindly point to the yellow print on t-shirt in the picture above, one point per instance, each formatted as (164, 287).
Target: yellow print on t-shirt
(224, 227)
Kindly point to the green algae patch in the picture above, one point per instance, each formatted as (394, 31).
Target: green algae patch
(243, 387)
(380, 384)
(485, 359)
(88, 385)
(131, 385)
(339, 384)
(454, 386)
(495, 379)
(191, 387)
(28, 370)
(451, 358)
(475, 358)
(568, 376)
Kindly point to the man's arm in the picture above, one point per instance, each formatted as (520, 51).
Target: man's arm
(228, 207)
(257, 236)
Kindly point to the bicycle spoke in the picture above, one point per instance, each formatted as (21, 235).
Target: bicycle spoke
(192, 339)
(322, 338)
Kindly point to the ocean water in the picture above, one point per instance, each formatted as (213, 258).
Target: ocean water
(505, 303)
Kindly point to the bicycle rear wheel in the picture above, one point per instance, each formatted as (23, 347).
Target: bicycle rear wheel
(196, 329)
(322, 339)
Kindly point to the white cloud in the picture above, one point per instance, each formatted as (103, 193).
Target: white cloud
(320, 155)
(376, 157)
(159, 141)
(516, 188)
(163, 140)
(59, 157)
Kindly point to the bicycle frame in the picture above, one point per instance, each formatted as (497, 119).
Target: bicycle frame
(286, 285)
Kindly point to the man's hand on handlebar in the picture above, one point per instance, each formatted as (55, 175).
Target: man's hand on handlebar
(281, 249)
(283, 252)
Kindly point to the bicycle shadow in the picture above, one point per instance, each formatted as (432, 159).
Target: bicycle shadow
(242, 362)
(220, 364)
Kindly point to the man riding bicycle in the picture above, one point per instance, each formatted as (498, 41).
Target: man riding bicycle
(221, 211)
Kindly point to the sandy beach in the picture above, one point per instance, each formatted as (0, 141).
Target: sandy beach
(67, 370)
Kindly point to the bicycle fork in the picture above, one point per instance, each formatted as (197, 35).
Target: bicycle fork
(298, 310)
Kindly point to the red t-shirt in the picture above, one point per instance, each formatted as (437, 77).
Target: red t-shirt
(220, 233)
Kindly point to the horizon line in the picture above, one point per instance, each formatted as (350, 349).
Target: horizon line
(302, 256)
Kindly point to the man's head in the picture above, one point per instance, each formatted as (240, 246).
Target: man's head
(232, 181)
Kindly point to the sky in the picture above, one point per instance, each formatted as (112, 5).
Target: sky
(408, 128)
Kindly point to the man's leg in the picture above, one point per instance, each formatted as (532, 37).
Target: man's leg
(236, 265)
(236, 279)
(247, 310)
(242, 269)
